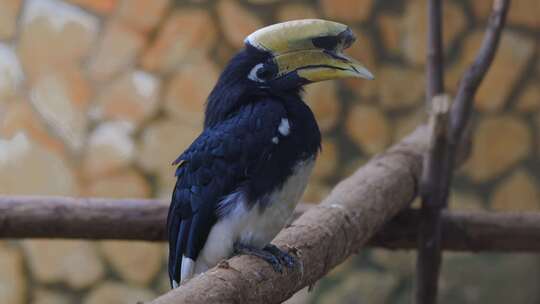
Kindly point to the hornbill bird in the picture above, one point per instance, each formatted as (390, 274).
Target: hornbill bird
(240, 180)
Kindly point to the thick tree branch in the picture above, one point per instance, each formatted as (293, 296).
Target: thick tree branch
(103, 219)
(321, 238)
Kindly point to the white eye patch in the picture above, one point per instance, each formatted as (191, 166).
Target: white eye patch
(253, 73)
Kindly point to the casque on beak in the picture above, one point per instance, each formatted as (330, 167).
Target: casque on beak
(311, 49)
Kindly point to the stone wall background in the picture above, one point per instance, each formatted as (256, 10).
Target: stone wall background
(98, 96)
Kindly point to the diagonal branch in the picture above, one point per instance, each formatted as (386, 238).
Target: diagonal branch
(463, 102)
(321, 238)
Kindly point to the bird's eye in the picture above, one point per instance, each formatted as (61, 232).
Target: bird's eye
(262, 72)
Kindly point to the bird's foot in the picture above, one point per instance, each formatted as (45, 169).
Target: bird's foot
(286, 259)
(270, 253)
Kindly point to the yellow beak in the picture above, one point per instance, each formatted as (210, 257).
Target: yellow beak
(311, 48)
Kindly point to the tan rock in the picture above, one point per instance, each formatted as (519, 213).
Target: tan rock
(126, 183)
(499, 143)
(11, 74)
(529, 101)
(406, 124)
(414, 28)
(523, 12)
(19, 116)
(327, 161)
(399, 87)
(75, 263)
(513, 54)
(295, 11)
(61, 98)
(347, 10)
(26, 169)
(366, 286)
(12, 277)
(323, 101)
(44, 296)
(186, 93)
(518, 192)
(110, 147)
(54, 35)
(466, 201)
(132, 97)
(110, 292)
(362, 50)
(164, 285)
(186, 35)
(117, 50)
(9, 10)
(368, 128)
(236, 21)
(136, 262)
(98, 6)
(390, 27)
(155, 157)
(142, 15)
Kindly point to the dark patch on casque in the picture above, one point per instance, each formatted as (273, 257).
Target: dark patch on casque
(331, 43)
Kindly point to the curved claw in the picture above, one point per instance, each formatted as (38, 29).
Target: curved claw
(284, 258)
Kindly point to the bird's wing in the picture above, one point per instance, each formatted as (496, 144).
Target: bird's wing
(217, 163)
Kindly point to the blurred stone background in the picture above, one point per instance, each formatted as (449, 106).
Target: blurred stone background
(97, 97)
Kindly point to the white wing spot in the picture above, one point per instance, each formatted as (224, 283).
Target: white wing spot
(275, 140)
(284, 127)
(187, 268)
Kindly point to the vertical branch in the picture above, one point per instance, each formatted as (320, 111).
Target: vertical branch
(446, 136)
(435, 164)
(434, 193)
(435, 62)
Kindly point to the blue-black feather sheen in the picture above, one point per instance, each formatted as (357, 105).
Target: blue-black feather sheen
(236, 151)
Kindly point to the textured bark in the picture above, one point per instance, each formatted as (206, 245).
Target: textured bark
(62, 217)
(143, 220)
(434, 188)
(323, 237)
(467, 231)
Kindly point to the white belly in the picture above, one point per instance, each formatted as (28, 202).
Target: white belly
(255, 227)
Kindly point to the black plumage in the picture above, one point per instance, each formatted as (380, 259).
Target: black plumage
(237, 151)
(238, 183)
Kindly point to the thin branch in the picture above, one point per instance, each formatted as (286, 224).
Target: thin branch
(435, 164)
(434, 192)
(435, 61)
(98, 219)
(439, 167)
(463, 102)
